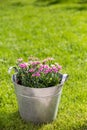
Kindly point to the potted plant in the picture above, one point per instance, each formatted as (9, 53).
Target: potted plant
(38, 86)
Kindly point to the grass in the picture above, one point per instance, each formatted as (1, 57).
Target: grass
(56, 30)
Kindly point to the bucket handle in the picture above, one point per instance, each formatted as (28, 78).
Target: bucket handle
(64, 78)
(12, 67)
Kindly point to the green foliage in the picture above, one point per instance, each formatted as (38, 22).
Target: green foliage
(58, 31)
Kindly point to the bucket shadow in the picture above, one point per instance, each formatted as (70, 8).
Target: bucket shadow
(83, 2)
(53, 2)
(77, 8)
(18, 4)
(13, 121)
(83, 127)
(8, 121)
(46, 2)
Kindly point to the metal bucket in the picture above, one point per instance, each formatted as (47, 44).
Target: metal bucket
(38, 105)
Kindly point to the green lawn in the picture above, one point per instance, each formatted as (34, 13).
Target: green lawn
(41, 29)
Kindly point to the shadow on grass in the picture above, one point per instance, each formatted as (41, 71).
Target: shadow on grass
(10, 121)
(46, 2)
(13, 121)
(18, 4)
(52, 2)
(67, 7)
(82, 6)
(77, 8)
(83, 2)
(83, 127)
(14, 5)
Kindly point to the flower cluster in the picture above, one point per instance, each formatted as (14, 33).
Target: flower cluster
(38, 74)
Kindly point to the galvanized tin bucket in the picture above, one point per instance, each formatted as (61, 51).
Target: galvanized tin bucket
(39, 105)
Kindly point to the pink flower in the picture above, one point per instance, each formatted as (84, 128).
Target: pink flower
(41, 69)
(19, 60)
(23, 65)
(45, 66)
(54, 69)
(31, 58)
(59, 67)
(46, 71)
(31, 70)
(50, 59)
(37, 74)
(33, 75)
(41, 65)
(35, 63)
(47, 59)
